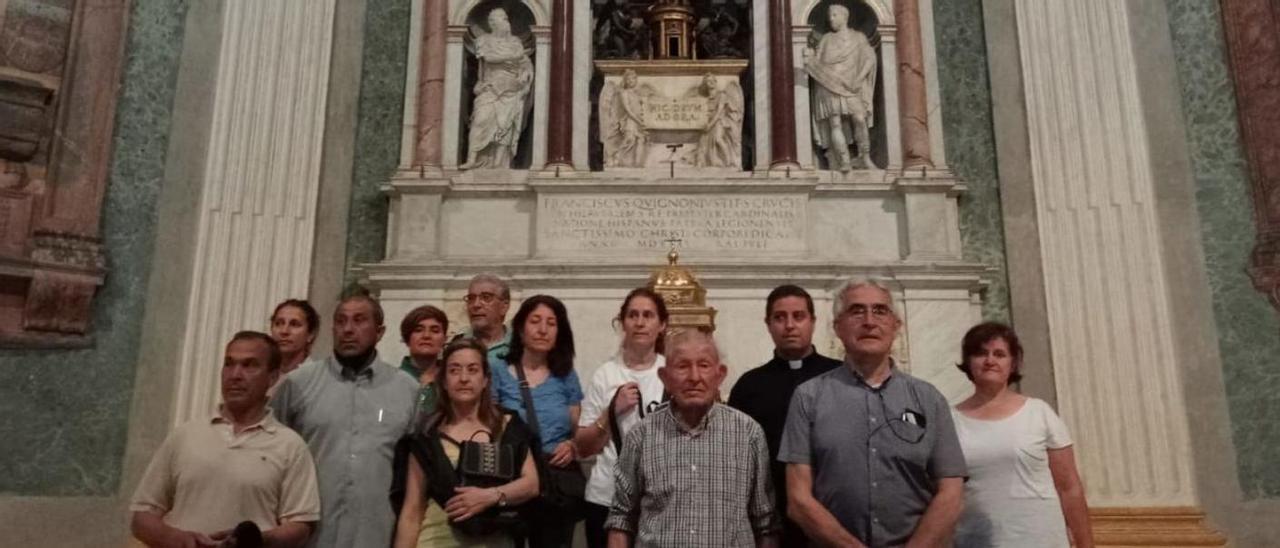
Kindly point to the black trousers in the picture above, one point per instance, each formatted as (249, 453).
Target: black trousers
(595, 515)
(548, 529)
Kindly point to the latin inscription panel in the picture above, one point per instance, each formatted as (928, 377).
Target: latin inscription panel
(719, 225)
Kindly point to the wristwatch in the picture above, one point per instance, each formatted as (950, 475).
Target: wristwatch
(502, 498)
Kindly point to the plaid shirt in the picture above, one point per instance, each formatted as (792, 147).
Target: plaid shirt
(707, 486)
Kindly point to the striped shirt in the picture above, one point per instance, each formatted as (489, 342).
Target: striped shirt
(707, 486)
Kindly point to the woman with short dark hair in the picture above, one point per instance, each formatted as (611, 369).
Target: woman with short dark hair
(435, 508)
(1023, 487)
(541, 355)
(424, 330)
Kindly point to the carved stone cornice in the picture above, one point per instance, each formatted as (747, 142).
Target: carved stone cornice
(1252, 29)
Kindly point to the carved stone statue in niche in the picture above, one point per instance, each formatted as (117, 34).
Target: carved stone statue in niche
(720, 144)
(502, 97)
(622, 126)
(842, 64)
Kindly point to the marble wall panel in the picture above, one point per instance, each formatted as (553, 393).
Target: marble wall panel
(838, 229)
(971, 149)
(70, 408)
(1247, 325)
(487, 227)
(378, 130)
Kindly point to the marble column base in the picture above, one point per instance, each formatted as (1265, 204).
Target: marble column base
(1152, 526)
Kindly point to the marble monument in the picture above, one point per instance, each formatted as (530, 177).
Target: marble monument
(685, 123)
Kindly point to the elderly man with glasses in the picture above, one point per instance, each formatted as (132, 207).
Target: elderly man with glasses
(488, 298)
(872, 453)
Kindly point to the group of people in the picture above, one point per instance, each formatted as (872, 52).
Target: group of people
(478, 440)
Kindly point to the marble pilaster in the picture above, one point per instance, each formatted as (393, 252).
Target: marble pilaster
(763, 99)
(257, 211)
(1107, 290)
(582, 72)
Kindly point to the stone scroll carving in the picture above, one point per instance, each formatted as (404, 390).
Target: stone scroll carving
(60, 63)
(502, 93)
(843, 65)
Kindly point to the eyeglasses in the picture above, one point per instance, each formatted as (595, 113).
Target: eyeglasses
(878, 312)
(484, 298)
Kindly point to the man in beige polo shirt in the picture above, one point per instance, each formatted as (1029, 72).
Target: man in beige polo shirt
(238, 465)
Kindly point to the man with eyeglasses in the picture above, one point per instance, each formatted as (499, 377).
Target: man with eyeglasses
(872, 453)
(488, 298)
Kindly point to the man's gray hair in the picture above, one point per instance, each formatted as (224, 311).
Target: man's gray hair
(491, 278)
(688, 336)
(838, 304)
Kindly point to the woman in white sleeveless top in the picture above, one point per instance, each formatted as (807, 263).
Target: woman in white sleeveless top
(1023, 487)
(622, 392)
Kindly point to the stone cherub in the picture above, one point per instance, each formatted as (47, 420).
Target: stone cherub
(502, 97)
(622, 126)
(842, 64)
(720, 144)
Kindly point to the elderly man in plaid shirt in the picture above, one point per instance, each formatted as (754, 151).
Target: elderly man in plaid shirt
(695, 473)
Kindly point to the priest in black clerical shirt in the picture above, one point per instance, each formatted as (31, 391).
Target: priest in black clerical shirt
(765, 392)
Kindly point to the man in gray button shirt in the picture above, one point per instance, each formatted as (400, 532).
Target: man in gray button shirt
(872, 454)
(351, 409)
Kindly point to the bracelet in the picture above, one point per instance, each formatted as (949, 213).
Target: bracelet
(602, 427)
(502, 498)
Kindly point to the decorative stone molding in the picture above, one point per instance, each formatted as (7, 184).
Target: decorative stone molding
(59, 73)
(1163, 526)
(1252, 29)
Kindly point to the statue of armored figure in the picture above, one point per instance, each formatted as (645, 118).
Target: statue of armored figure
(622, 125)
(721, 142)
(502, 98)
(842, 64)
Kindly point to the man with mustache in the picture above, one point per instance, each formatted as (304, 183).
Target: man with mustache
(764, 393)
(237, 465)
(872, 454)
(351, 409)
(694, 473)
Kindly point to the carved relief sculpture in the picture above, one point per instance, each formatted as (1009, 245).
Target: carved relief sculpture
(721, 142)
(842, 64)
(502, 97)
(622, 126)
(60, 63)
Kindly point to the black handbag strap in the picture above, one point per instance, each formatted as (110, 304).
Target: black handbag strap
(614, 429)
(531, 417)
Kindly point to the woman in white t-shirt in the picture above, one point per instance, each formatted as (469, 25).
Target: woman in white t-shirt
(1023, 487)
(622, 391)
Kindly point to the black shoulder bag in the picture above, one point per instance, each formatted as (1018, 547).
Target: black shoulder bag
(562, 489)
(479, 465)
